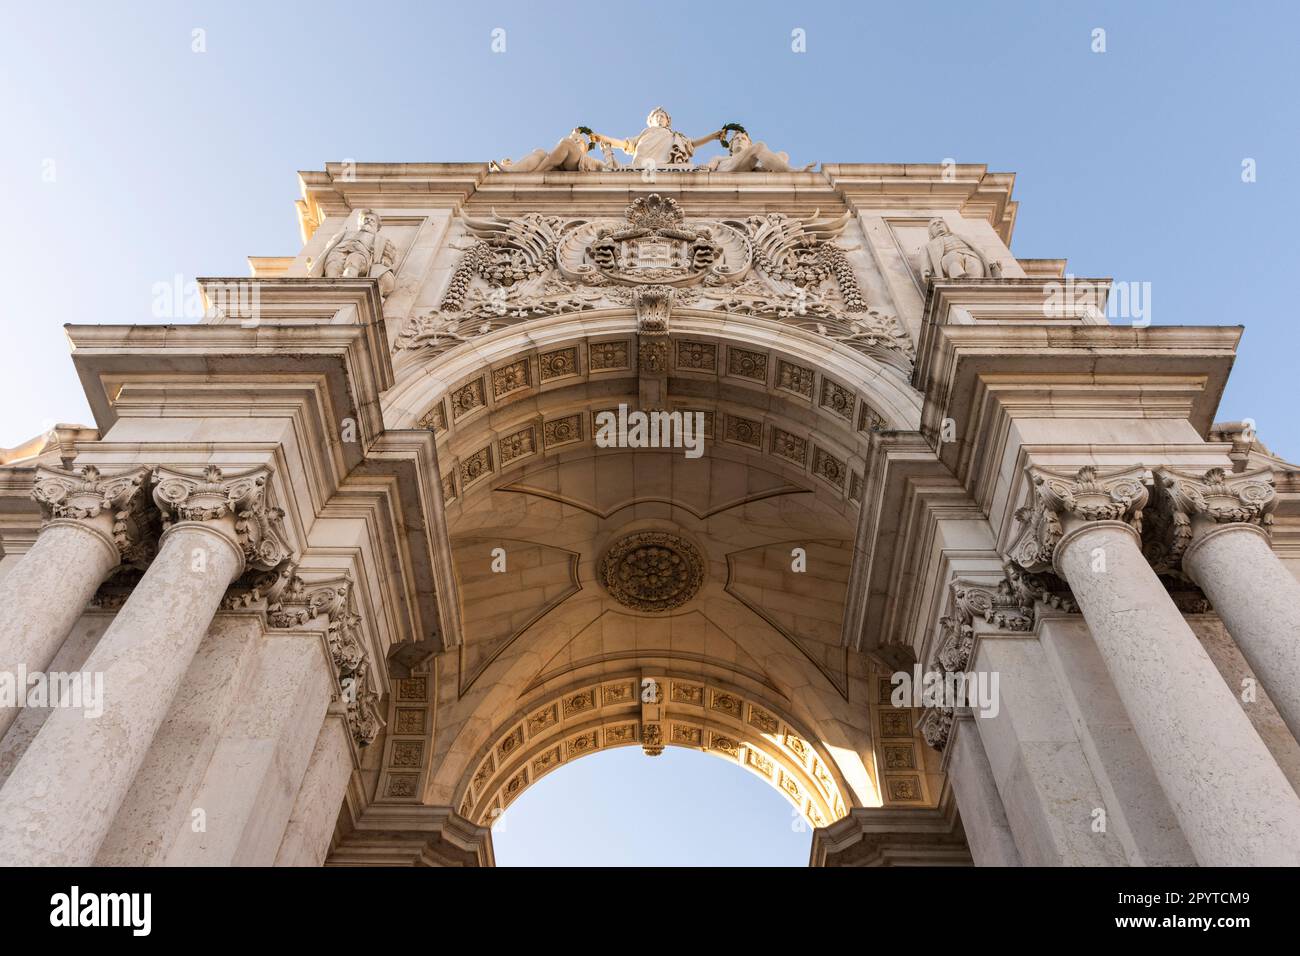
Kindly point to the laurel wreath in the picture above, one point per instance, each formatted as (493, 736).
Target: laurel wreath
(731, 128)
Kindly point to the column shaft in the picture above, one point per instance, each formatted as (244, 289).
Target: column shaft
(1258, 600)
(62, 797)
(44, 595)
(1234, 804)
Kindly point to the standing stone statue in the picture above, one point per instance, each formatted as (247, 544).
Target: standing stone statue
(569, 154)
(658, 145)
(359, 251)
(947, 256)
(746, 156)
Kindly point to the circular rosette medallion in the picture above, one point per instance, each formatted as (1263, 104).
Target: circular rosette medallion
(652, 571)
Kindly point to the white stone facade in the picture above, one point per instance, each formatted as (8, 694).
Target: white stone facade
(355, 567)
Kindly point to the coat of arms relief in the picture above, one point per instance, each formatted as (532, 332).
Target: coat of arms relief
(774, 266)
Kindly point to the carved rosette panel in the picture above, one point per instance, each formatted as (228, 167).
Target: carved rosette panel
(652, 571)
(86, 494)
(775, 266)
(1086, 495)
(213, 495)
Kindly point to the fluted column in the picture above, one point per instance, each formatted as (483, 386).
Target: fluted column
(1218, 526)
(1231, 799)
(93, 522)
(62, 797)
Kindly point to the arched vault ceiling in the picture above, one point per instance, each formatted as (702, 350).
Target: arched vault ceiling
(564, 550)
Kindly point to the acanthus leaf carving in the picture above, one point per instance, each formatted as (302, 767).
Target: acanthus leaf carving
(213, 495)
(292, 601)
(88, 494)
(1083, 496)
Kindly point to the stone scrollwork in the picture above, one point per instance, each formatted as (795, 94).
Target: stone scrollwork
(1186, 499)
(87, 494)
(789, 269)
(1085, 495)
(292, 602)
(936, 726)
(1008, 605)
(214, 495)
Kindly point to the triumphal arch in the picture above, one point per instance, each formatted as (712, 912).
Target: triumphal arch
(608, 446)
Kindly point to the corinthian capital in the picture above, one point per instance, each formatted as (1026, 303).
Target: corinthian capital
(239, 499)
(1188, 502)
(87, 495)
(1061, 500)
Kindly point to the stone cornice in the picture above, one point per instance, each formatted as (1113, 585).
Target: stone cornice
(401, 471)
(340, 188)
(969, 187)
(889, 836)
(979, 377)
(408, 835)
(215, 357)
(390, 187)
(1000, 301)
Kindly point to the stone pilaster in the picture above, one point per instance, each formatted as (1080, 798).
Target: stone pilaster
(93, 522)
(298, 602)
(1231, 799)
(62, 797)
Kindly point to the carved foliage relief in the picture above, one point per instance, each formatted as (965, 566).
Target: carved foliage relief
(792, 270)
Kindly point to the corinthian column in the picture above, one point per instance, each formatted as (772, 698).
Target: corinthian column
(1218, 527)
(62, 796)
(94, 521)
(1230, 797)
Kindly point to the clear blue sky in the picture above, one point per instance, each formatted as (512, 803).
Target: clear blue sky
(168, 162)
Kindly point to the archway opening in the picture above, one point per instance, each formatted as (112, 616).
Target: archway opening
(622, 808)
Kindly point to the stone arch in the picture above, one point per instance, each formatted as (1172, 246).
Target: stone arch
(790, 421)
(701, 714)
